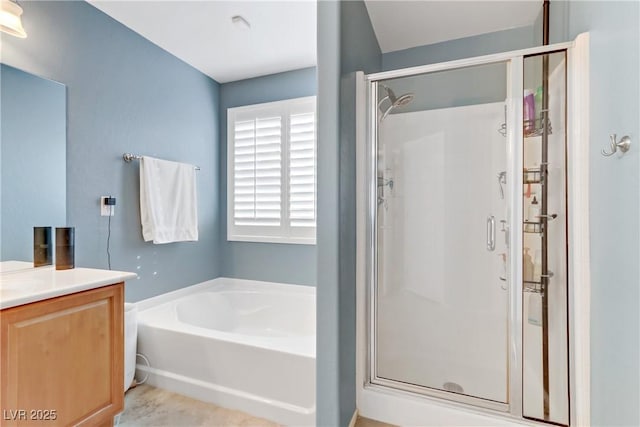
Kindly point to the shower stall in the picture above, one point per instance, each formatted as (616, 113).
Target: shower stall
(465, 297)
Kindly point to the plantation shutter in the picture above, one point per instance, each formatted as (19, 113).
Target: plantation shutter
(271, 165)
(258, 172)
(302, 170)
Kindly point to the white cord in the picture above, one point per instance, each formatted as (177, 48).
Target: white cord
(143, 357)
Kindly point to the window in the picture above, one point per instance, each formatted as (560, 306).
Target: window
(271, 172)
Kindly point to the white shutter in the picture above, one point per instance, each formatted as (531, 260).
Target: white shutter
(271, 180)
(268, 170)
(257, 164)
(244, 195)
(302, 170)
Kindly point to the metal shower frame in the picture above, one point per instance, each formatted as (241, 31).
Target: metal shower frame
(515, 137)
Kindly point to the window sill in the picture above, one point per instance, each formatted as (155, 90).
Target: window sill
(271, 239)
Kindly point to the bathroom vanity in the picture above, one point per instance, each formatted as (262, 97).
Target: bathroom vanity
(61, 346)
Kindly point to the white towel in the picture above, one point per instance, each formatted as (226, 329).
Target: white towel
(168, 201)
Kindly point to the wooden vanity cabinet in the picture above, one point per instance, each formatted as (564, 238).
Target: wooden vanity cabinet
(62, 360)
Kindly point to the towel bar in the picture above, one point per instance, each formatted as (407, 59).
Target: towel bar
(128, 158)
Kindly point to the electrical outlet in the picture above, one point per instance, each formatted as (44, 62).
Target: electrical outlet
(105, 209)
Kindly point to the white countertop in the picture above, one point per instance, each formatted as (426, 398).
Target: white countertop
(37, 284)
(6, 266)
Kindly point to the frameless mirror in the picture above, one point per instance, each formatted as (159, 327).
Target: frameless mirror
(33, 161)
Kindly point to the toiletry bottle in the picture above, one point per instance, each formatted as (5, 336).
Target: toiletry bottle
(537, 265)
(538, 103)
(527, 266)
(525, 213)
(534, 210)
(529, 112)
(534, 315)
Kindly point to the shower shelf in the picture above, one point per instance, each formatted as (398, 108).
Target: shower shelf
(532, 128)
(528, 286)
(533, 287)
(536, 285)
(532, 176)
(533, 227)
(536, 127)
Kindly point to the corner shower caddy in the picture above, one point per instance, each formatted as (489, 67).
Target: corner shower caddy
(541, 127)
(538, 176)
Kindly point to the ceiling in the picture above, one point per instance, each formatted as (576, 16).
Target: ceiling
(400, 24)
(282, 36)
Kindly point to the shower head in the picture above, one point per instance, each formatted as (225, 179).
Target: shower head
(394, 101)
(403, 100)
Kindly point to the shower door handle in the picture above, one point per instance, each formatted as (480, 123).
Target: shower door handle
(491, 233)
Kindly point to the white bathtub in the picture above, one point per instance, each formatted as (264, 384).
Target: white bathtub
(240, 344)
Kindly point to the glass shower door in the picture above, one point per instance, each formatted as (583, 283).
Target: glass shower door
(440, 296)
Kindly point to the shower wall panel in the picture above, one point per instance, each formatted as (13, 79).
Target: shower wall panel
(442, 306)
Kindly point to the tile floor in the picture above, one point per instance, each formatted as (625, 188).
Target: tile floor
(366, 422)
(147, 406)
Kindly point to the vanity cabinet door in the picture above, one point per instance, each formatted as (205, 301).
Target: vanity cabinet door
(62, 360)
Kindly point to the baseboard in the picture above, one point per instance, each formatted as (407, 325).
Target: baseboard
(352, 423)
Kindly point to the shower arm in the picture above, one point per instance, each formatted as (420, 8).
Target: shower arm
(382, 100)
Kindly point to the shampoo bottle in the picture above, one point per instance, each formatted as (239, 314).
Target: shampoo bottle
(534, 315)
(529, 112)
(527, 266)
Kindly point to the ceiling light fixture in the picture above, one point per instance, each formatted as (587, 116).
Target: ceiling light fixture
(240, 22)
(10, 19)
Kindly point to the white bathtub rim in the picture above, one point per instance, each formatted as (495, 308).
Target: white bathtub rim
(301, 345)
(230, 282)
(274, 344)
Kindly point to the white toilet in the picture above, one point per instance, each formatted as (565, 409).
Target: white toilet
(130, 341)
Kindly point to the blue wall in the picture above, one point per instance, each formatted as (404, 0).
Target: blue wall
(346, 43)
(359, 49)
(328, 350)
(33, 159)
(467, 86)
(284, 263)
(125, 94)
(615, 200)
(467, 47)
